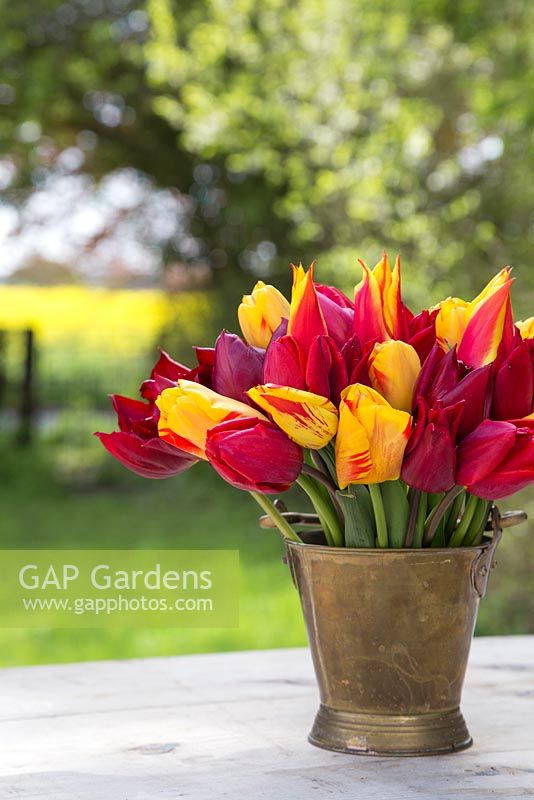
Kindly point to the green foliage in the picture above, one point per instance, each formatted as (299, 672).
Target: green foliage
(406, 127)
(322, 128)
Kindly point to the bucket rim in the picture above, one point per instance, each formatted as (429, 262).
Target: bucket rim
(419, 552)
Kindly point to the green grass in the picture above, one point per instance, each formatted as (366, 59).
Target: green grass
(196, 510)
(67, 493)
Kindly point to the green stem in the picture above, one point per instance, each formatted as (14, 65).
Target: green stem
(380, 515)
(465, 522)
(415, 502)
(283, 526)
(325, 510)
(420, 521)
(454, 513)
(437, 513)
(478, 524)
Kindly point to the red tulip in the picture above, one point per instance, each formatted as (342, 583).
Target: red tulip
(285, 363)
(254, 455)
(496, 459)
(513, 390)
(237, 366)
(444, 382)
(149, 458)
(326, 373)
(422, 333)
(338, 313)
(430, 457)
(137, 444)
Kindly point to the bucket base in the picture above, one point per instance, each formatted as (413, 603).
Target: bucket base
(389, 735)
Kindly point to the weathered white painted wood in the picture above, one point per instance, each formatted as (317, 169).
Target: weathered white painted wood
(235, 726)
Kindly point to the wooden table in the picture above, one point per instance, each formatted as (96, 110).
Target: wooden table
(234, 726)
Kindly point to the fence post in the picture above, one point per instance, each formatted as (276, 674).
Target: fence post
(27, 407)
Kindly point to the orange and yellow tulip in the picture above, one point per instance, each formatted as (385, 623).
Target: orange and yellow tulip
(307, 418)
(478, 327)
(379, 313)
(261, 312)
(394, 367)
(371, 437)
(189, 410)
(306, 319)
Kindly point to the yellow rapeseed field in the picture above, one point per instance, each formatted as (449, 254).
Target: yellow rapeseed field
(127, 321)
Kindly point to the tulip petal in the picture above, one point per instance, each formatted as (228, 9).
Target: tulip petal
(237, 366)
(308, 419)
(484, 330)
(526, 328)
(338, 319)
(394, 367)
(189, 410)
(284, 363)
(306, 320)
(369, 324)
(513, 389)
(152, 458)
(371, 438)
(430, 459)
(261, 313)
(326, 373)
(514, 473)
(254, 455)
(483, 450)
(473, 390)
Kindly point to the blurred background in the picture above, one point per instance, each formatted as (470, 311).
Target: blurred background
(156, 159)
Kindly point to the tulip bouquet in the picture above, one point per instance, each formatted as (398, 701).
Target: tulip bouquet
(401, 428)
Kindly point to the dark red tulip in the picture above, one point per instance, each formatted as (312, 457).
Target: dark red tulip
(326, 372)
(444, 381)
(254, 455)
(422, 333)
(237, 366)
(430, 456)
(204, 371)
(513, 389)
(137, 444)
(496, 459)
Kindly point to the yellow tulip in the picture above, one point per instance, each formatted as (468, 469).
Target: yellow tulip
(371, 437)
(526, 328)
(393, 368)
(261, 312)
(307, 418)
(189, 410)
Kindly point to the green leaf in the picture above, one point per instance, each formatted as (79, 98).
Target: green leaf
(360, 529)
(397, 510)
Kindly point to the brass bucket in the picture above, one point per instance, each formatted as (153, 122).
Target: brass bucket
(390, 633)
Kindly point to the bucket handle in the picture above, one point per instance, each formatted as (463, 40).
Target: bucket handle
(482, 564)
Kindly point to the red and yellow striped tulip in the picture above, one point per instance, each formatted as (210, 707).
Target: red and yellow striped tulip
(394, 367)
(379, 313)
(307, 418)
(371, 437)
(189, 410)
(477, 327)
(261, 312)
